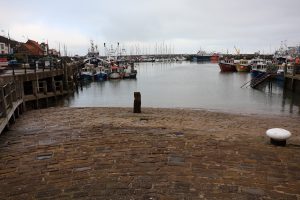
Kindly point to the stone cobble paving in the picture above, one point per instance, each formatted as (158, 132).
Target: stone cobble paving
(111, 153)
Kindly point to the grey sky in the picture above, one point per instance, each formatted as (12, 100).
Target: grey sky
(184, 25)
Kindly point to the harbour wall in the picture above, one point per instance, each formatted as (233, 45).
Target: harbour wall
(292, 83)
(22, 89)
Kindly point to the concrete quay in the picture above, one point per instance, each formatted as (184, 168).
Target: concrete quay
(112, 153)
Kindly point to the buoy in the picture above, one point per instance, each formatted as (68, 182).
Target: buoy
(278, 136)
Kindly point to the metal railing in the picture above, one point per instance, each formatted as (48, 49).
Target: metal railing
(27, 68)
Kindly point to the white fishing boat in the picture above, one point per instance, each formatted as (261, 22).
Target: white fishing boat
(258, 66)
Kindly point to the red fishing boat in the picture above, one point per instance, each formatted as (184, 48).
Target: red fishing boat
(227, 65)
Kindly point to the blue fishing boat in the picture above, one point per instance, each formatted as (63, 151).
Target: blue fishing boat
(87, 72)
(100, 74)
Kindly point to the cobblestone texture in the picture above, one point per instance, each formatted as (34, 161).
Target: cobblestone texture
(111, 153)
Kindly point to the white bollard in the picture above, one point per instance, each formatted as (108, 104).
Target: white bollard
(278, 136)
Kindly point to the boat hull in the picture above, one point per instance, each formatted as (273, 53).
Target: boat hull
(100, 77)
(202, 58)
(214, 59)
(87, 76)
(227, 67)
(126, 75)
(114, 75)
(132, 75)
(257, 73)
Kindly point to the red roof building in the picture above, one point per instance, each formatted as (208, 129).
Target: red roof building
(31, 48)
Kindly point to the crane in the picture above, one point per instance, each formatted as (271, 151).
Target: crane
(237, 50)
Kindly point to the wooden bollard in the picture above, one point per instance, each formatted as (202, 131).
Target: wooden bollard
(61, 86)
(137, 102)
(45, 87)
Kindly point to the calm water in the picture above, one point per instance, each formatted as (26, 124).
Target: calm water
(188, 85)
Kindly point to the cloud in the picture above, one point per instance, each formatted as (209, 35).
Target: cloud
(185, 24)
(71, 38)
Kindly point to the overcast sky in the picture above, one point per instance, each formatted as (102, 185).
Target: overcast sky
(184, 26)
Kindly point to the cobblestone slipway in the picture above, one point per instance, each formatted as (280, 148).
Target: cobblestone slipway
(111, 153)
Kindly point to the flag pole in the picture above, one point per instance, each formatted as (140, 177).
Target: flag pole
(8, 42)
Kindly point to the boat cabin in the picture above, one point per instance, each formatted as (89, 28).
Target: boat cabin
(259, 64)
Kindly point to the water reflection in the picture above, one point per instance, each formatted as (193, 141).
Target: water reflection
(291, 101)
(189, 85)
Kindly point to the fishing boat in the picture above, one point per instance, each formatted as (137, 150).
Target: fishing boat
(130, 72)
(290, 66)
(87, 72)
(133, 74)
(289, 63)
(287, 59)
(284, 66)
(243, 66)
(258, 67)
(93, 51)
(202, 56)
(180, 58)
(214, 58)
(100, 74)
(227, 65)
(115, 72)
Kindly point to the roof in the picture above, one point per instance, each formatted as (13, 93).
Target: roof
(34, 44)
(6, 40)
(31, 47)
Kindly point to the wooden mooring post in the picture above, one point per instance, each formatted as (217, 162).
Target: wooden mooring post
(137, 102)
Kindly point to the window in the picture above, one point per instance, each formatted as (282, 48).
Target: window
(2, 46)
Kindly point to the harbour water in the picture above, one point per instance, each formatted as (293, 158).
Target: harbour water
(189, 85)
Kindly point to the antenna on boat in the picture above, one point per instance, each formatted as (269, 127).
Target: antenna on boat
(59, 48)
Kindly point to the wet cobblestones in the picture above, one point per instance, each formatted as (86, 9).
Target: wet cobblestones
(111, 153)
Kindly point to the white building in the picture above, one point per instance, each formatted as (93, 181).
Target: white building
(3, 48)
